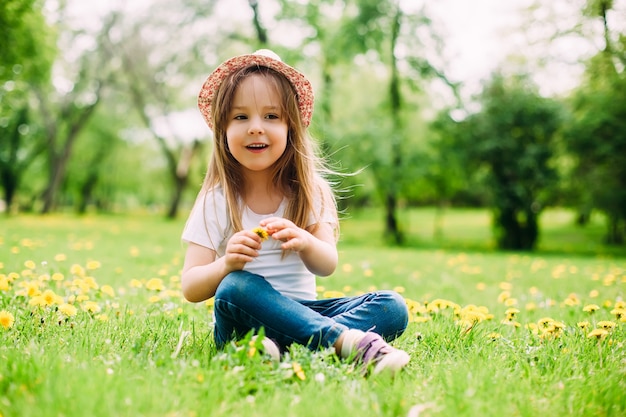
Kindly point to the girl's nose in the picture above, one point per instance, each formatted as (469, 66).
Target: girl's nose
(256, 126)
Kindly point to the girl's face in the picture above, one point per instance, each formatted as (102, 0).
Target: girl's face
(256, 132)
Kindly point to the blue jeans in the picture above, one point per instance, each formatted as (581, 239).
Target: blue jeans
(246, 301)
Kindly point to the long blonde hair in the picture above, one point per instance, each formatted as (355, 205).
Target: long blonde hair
(298, 173)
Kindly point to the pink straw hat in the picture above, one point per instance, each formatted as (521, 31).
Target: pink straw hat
(261, 58)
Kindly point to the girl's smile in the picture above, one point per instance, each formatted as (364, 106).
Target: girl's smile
(257, 127)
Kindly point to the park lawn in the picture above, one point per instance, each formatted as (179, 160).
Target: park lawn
(93, 324)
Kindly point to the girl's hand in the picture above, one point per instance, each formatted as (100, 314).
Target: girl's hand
(242, 247)
(293, 237)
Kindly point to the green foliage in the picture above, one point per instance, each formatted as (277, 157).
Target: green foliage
(597, 138)
(513, 138)
(134, 347)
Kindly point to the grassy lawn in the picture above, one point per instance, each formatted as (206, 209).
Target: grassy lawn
(92, 323)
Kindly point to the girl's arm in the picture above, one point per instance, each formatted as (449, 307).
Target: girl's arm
(202, 272)
(316, 245)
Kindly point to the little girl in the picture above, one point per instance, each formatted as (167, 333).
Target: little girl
(265, 224)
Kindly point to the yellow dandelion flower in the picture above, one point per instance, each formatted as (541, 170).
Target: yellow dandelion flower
(30, 289)
(591, 308)
(91, 265)
(368, 272)
(4, 283)
(77, 270)
(135, 283)
(333, 294)
(606, 325)
(57, 276)
(545, 322)
(619, 313)
(134, 251)
(60, 257)
(346, 268)
(30, 264)
(6, 319)
(80, 298)
(419, 319)
(399, 289)
(261, 232)
(297, 369)
(50, 298)
(37, 301)
(583, 325)
(154, 299)
(599, 334)
(108, 290)
(511, 323)
(572, 300)
(155, 284)
(594, 294)
(494, 336)
(481, 286)
(91, 307)
(620, 304)
(531, 306)
(511, 312)
(504, 295)
(68, 310)
(102, 317)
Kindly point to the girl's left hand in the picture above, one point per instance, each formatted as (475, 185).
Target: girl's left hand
(294, 238)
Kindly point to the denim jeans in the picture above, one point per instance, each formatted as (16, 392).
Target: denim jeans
(246, 301)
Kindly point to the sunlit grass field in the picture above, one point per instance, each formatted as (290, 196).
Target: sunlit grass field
(92, 323)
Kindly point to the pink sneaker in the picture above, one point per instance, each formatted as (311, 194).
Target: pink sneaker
(372, 350)
(269, 348)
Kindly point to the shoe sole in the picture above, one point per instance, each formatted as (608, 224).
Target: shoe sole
(393, 361)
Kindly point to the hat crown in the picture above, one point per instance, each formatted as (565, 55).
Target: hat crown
(268, 53)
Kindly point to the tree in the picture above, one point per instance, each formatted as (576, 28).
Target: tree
(513, 138)
(25, 62)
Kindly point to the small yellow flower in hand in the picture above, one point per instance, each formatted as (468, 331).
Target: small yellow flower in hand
(262, 233)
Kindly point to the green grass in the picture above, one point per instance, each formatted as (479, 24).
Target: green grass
(140, 350)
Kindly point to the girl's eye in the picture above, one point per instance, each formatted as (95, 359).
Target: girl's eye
(240, 117)
(272, 116)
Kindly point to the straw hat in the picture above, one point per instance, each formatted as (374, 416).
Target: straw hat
(261, 58)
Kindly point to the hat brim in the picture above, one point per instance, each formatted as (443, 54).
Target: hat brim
(300, 83)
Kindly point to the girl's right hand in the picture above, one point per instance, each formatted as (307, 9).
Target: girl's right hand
(242, 247)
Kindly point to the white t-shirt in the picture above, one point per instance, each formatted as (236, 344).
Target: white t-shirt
(208, 226)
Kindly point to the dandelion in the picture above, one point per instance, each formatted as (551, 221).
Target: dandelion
(606, 325)
(91, 307)
(493, 336)
(511, 313)
(135, 283)
(583, 325)
(297, 369)
(155, 284)
(60, 257)
(50, 298)
(333, 294)
(108, 290)
(591, 308)
(77, 270)
(91, 265)
(57, 276)
(599, 334)
(68, 310)
(4, 283)
(30, 264)
(619, 313)
(6, 319)
(261, 232)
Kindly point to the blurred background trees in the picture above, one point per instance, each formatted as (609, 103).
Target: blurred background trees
(97, 107)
